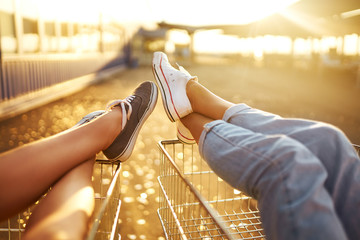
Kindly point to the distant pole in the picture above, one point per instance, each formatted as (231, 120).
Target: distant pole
(101, 30)
(2, 90)
(292, 53)
(358, 68)
(358, 46)
(58, 34)
(358, 77)
(41, 33)
(192, 51)
(342, 42)
(18, 26)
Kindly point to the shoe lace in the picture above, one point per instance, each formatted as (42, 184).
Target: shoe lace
(186, 73)
(183, 70)
(122, 103)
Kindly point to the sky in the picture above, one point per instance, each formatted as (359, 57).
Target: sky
(195, 12)
(188, 12)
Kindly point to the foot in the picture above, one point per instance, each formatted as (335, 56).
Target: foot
(172, 84)
(183, 134)
(135, 110)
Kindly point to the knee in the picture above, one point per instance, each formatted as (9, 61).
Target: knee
(328, 134)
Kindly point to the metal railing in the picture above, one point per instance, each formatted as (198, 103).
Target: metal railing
(25, 74)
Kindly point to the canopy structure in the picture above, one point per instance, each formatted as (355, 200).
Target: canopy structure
(306, 18)
(324, 8)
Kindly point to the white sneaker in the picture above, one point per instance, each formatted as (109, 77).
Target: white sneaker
(183, 134)
(172, 85)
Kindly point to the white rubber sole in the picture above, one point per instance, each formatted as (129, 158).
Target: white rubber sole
(185, 139)
(184, 134)
(163, 85)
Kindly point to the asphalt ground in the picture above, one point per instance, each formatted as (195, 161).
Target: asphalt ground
(289, 93)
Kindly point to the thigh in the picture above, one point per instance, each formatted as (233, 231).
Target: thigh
(285, 177)
(65, 211)
(323, 140)
(327, 143)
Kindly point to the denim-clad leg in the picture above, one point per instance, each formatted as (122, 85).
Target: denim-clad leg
(285, 177)
(331, 147)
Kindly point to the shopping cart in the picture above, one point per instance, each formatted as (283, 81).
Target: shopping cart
(106, 182)
(196, 204)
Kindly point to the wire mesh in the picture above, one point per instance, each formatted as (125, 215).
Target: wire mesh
(196, 204)
(106, 182)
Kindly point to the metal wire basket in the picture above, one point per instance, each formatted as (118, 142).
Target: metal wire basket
(196, 204)
(106, 182)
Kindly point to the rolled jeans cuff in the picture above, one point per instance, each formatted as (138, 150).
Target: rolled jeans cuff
(207, 128)
(235, 109)
(227, 115)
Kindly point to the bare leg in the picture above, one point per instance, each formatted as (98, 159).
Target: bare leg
(205, 102)
(206, 107)
(195, 123)
(37, 166)
(65, 211)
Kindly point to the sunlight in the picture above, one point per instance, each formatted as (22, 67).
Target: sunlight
(302, 46)
(213, 41)
(195, 13)
(80, 11)
(187, 12)
(304, 21)
(179, 37)
(204, 12)
(351, 44)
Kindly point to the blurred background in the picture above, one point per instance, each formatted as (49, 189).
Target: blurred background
(60, 60)
(44, 43)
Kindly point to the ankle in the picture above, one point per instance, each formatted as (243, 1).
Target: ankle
(190, 86)
(113, 126)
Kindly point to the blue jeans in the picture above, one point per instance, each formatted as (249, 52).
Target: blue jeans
(304, 174)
